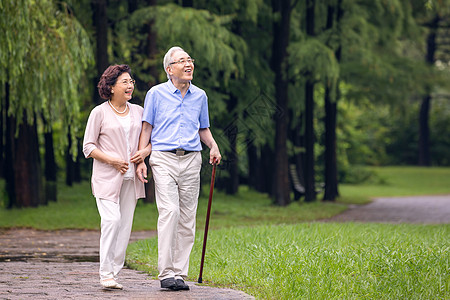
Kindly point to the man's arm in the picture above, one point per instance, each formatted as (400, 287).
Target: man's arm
(207, 138)
(146, 133)
(144, 150)
(144, 146)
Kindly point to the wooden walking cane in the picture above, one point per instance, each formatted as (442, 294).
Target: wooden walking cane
(207, 220)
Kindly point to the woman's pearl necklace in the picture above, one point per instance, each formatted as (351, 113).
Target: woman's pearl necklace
(119, 112)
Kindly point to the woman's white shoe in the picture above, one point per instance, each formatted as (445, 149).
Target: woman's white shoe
(111, 284)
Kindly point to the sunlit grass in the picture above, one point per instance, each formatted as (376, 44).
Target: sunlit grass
(320, 261)
(250, 208)
(75, 209)
(399, 181)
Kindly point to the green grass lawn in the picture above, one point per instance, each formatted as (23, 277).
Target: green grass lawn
(398, 181)
(320, 260)
(325, 261)
(276, 252)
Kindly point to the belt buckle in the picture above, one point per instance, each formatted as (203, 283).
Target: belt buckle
(180, 152)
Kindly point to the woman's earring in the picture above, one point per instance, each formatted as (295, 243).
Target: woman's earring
(112, 91)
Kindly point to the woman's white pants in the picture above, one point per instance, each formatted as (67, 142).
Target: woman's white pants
(116, 223)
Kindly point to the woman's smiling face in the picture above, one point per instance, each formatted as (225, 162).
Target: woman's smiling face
(124, 87)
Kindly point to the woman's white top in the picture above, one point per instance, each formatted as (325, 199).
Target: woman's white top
(125, 121)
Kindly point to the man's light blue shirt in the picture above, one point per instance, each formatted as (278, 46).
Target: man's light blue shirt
(176, 120)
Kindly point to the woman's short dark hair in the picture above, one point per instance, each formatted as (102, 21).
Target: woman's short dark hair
(109, 78)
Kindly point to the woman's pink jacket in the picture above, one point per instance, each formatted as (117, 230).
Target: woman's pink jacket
(104, 132)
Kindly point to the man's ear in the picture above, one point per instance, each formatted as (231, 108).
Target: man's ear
(169, 70)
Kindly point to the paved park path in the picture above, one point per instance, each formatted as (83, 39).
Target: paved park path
(63, 264)
(418, 209)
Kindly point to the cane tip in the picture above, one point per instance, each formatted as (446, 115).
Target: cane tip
(200, 280)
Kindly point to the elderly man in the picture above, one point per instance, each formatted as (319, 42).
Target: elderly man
(175, 120)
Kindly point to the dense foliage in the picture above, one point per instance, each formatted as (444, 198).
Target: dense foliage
(352, 83)
(44, 54)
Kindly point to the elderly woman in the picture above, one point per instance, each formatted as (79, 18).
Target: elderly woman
(111, 139)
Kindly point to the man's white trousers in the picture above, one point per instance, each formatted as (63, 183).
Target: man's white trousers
(177, 185)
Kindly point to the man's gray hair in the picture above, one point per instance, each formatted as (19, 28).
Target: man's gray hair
(168, 57)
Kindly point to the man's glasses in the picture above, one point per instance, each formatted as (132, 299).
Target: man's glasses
(183, 61)
(127, 82)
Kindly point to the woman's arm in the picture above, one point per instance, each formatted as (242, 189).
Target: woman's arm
(119, 164)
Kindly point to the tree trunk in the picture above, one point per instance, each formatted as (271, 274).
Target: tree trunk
(331, 176)
(187, 3)
(150, 50)
(267, 183)
(297, 139)
(279, 66)
(424, 132)
(27, 171)
(231, 183)
(232, 186)
(331, 180)
(100, 21)
(2, 138)
(254, 171)
(9, 153)
(50, 167)
(70, 167)
(77, 164)
(424, 117)
(310, 190)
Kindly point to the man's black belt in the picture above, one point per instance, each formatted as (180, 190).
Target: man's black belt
(180, 152)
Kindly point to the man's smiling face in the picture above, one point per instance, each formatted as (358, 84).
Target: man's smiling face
(181, 67)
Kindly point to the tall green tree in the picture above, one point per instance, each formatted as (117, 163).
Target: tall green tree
(248, 127)
(100, 39)
(335, 14)
(281, 37)
(395, 71)
(49, 163)
(433, 16)
(100, 21)
(44, 49)
(311, 62)
(244, 17)
(309, 164)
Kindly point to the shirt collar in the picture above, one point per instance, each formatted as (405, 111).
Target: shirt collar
(173, 89)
